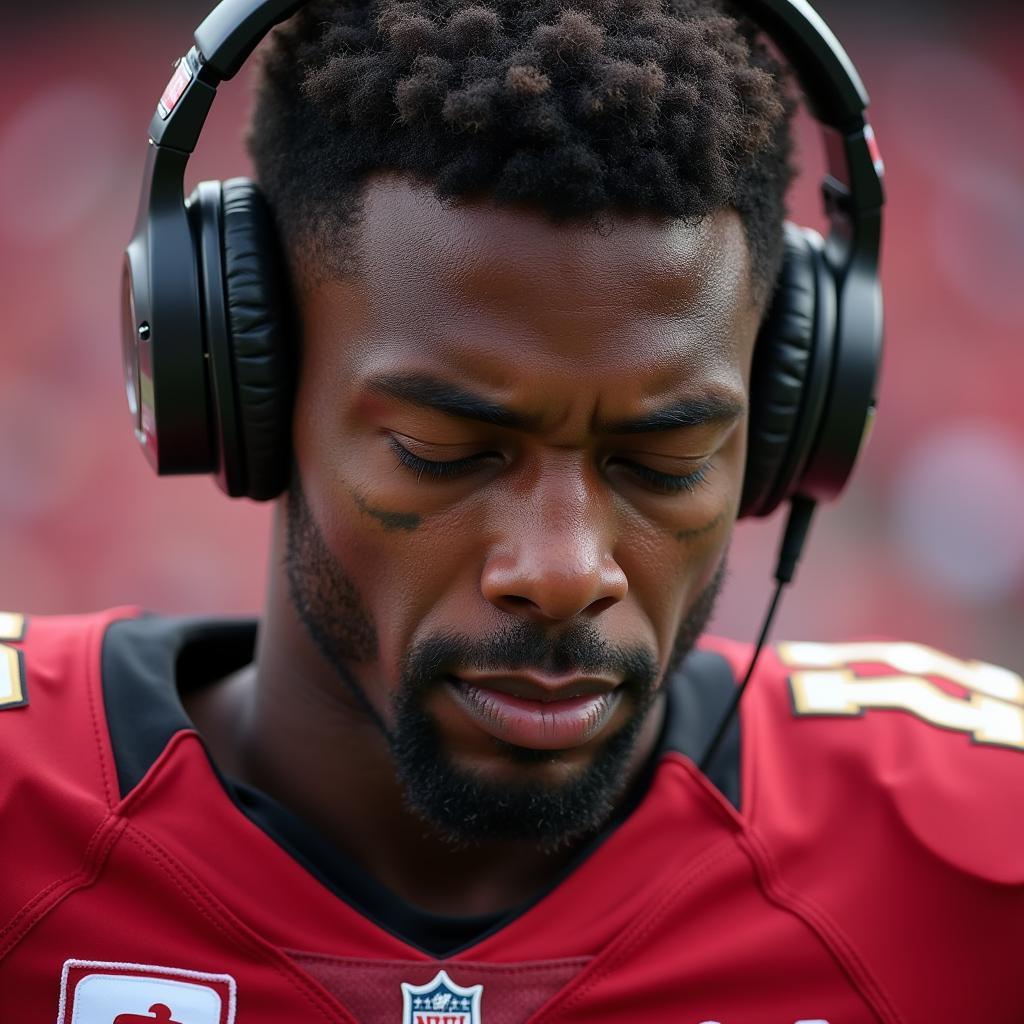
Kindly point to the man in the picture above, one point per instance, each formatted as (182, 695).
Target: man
(453, 779)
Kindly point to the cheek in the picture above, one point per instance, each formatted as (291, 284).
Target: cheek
(405, 569)
(670, 562)
(409, 557)
(667, 576)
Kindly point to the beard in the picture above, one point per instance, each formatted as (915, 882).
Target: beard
(462, 806)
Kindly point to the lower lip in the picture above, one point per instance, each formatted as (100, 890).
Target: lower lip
(539, 725)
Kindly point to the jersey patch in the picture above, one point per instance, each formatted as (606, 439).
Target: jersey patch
(441, 1001)
(96, 992)
(984, 701)
(12, 664)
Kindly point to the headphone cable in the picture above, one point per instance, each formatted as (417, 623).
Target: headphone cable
(798, 524)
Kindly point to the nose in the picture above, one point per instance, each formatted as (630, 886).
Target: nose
(555, 560)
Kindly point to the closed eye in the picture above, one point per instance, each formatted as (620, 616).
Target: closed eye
(666, 483)
(453, 469)
(437, 470)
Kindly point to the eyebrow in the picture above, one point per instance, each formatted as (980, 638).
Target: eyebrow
(454, 400)
(686, 412)
(442, 395)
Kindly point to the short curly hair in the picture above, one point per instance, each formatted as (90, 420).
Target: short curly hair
(577, 107)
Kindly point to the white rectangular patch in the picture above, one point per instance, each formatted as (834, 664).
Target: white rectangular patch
(98, 992)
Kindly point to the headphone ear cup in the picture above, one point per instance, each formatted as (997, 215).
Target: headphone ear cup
(791, 361)
(259, 325)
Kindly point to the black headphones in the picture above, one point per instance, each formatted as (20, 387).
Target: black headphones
(206, 322)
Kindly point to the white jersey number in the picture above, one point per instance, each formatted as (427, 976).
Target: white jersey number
(823, 683)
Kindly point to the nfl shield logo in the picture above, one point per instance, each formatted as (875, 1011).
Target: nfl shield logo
(441, 1001)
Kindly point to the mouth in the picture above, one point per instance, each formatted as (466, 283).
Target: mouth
(535, 711)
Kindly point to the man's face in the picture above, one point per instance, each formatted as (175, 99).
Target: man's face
(519, 453)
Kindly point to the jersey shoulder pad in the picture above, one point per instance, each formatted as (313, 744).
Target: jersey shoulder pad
(901, 733)
(57, 779)
(52, 723)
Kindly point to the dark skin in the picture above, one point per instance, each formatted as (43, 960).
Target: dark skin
(591, 388)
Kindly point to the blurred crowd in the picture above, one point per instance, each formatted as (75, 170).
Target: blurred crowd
(927, 543)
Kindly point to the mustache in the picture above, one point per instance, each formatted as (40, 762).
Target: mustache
(521, 646)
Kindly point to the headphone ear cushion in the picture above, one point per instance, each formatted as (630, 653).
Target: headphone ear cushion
(259, 326)
(782, 359)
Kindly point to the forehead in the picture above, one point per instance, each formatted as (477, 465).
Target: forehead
(501, 292)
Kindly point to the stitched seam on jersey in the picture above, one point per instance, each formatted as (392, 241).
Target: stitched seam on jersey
(624, 944)
(530, 967)
(140, 791)
(824, 927)
(222, 919)
(712, 799)
(96, 853)
(94, 675)
(814, 916)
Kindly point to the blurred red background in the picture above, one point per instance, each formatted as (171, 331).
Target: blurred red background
(927, 543)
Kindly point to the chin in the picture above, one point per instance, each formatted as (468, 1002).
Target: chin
(496, 791)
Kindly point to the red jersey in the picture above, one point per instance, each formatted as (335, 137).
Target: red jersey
(859, 857)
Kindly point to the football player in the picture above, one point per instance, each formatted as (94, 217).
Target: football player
(513, 330)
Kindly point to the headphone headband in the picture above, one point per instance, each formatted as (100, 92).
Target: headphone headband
(234, 28)
(830, 81)
(834, 91)
(229, 34)
(837, 97)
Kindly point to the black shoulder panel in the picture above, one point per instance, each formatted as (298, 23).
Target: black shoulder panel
(144, 662)
(699, 697)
